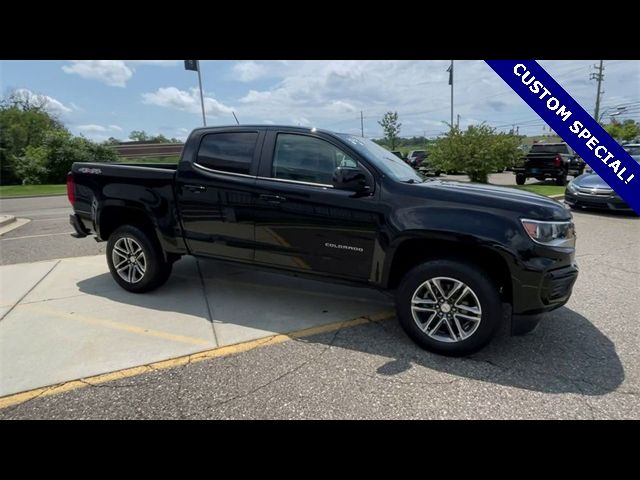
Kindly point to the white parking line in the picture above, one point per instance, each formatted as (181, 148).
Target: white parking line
(35, 236)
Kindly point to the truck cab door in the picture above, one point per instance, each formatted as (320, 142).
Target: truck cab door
(302, 222)
(215, 187)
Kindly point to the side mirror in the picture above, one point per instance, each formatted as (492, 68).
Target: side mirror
(350, 179)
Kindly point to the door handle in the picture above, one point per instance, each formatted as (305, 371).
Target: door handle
(195, 188)
(272, 198)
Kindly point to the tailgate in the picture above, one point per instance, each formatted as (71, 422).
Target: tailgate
(542, 160)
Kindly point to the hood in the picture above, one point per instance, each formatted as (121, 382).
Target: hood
(591, 180)
(487, 197)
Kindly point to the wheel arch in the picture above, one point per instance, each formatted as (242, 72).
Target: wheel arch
(414, 251)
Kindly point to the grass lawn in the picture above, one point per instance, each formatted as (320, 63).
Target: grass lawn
(7, 191)
(542, 189)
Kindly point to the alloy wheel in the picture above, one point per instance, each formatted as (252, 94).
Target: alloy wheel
(446, 309)
(129, 259)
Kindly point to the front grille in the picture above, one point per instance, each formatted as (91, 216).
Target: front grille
(596, 192)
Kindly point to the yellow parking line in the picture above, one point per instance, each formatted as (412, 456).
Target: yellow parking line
(146, 332)
(21, 397)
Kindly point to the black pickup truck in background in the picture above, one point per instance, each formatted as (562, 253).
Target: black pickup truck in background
(311, 202)
(549, 160)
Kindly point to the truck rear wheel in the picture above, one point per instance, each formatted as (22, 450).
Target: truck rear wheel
(520, 179)
(136, 260)
(449, 307)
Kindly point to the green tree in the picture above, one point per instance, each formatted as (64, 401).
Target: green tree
(391, 127)
(478, 151)
(24, 121)
(626, 131)
(139, 136)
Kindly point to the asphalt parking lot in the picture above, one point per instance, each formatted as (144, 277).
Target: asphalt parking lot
(582, 362)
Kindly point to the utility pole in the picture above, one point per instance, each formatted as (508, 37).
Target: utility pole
(599, 76)
(361, 124)
(450, 70)
(458, 121)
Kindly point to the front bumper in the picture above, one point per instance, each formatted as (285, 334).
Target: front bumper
(602, 202)
(553, 292)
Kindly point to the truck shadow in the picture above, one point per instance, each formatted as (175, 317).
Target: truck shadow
(565, 354)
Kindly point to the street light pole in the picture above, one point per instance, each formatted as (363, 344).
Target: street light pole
(204, 118)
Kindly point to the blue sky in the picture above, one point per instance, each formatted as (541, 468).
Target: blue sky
(103, 98)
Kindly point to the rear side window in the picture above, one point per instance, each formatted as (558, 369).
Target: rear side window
(228, 152)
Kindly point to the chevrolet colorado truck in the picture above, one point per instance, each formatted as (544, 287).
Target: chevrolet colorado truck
(549, 160)
(459, 256)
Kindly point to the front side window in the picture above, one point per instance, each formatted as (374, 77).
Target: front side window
(229, 152)
(307, 159)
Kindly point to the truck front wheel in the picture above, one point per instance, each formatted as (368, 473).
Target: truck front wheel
(449, 307)
(520, 179)
(136, 260)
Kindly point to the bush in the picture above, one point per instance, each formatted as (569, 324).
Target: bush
(478, 151)
(51, 161)
(32, 166)
(34, 145)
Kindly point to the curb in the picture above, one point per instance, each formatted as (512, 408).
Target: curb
(6, 219)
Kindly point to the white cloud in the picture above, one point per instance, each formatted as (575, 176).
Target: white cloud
(248, 71)
(50, 104)
(330, 94)
(93, 128)
(156, 63)
(115, 73)
(186, 101)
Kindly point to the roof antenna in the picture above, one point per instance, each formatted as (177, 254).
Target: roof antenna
(234, 116)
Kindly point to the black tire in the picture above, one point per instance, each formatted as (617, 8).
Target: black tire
(561, 181)
(157, 270)
(481, 284)
(520, 179)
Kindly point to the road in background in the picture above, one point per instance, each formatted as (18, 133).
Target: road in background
(46, 236)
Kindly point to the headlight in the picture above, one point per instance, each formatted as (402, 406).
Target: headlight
(571, 187)
(556, 234)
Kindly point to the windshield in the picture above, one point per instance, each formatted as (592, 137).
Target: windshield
(386, 161)
(549, 148)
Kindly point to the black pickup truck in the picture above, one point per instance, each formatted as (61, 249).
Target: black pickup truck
(308, 201)
(549, 160)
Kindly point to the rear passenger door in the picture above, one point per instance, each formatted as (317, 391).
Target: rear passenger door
(215, 185)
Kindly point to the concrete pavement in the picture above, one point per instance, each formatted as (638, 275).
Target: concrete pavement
(67, 319)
